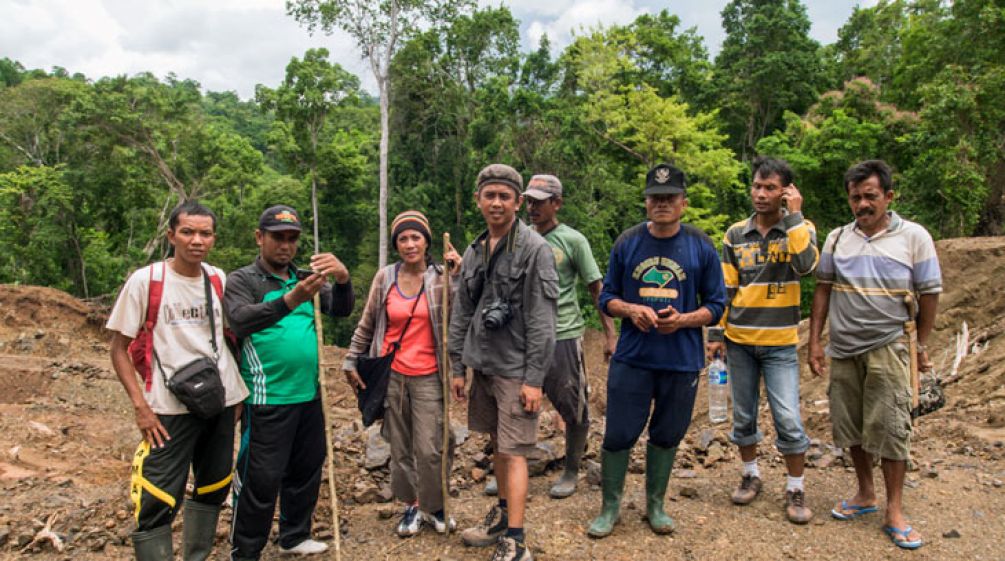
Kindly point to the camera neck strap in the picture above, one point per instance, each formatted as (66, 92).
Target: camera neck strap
(212, 322)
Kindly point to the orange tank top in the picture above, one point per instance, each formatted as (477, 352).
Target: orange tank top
(417, 355)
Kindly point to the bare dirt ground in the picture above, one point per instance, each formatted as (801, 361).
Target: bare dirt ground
(67, 434)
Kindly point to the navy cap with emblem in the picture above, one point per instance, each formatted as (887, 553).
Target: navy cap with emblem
(664, 179)
(279, 218)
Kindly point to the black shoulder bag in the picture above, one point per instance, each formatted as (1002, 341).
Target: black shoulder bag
(197, 384)
(376, 372)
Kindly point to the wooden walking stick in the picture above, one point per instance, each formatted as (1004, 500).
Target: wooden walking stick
(445, 363)
(323, 378)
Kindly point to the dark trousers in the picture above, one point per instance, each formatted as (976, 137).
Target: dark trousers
(159, 475)
(632, 392)
(282, 453)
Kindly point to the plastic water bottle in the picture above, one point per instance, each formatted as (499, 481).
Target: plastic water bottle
(718, 390)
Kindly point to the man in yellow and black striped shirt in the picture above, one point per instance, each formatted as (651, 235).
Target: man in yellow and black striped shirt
(763, 258)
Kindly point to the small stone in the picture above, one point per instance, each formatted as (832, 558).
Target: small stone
(715, 453)
(997, 483)
(686, 474)
(4, 535)
(931, 473)
(385, 495)
(819, 521)
(323, 534)
(700, 520)
(706, 438)
(386, 513)
(477, 475)
(121, 514)
(109, 524)
(593, 472)
(951, 534)
(378, 451)
(689, 492)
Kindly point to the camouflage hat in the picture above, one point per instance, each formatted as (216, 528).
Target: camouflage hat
(543, 187)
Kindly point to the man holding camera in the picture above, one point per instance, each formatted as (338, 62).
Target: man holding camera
(270, 308)
(162, 313)
(503, 328)
(665, 281)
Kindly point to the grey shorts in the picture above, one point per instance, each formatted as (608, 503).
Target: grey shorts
(870, 401)
(566, 385)
(494, 408)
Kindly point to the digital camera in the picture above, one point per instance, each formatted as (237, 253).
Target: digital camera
(496, 314)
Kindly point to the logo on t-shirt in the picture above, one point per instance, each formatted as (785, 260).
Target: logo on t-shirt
(658, 275)
(559, 255)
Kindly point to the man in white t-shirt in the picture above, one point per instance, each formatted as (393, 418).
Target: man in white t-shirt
(173, 438)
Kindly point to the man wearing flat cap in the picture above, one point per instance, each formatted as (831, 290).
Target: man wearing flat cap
(270, 308)
(565, 384)
(665, 281)
(503, 328)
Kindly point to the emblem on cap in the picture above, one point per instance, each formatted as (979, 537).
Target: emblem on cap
(662, 175)
(286, 216)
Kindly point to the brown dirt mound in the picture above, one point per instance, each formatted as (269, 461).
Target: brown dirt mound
(44, 321)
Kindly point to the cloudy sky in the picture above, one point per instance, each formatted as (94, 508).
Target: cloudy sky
(235, 44)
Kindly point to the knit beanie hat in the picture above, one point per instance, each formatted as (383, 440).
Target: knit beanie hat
(411, 220)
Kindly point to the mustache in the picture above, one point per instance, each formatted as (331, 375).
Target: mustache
(864, 212)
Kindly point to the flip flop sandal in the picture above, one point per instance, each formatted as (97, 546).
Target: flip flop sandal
(851, 512)
(899, 537)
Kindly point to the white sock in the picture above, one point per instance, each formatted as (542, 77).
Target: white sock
(794, 483)
(750, 468)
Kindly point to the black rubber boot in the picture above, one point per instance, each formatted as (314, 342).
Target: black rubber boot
(575, 446)
(153, 545)
(199, 530)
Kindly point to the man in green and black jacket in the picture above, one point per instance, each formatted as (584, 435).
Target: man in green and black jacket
(270, 308)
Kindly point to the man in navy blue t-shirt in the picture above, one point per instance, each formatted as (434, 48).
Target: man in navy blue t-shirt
(665, 281)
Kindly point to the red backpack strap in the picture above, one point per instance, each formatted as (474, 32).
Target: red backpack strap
(214, 279)
(154, 296)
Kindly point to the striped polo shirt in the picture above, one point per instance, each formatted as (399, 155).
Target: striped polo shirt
(870, 277)
(762, 279)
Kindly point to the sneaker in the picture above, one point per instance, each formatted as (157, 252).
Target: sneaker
(795, 507)
(438, 524)
(489, 531)
(508, 549)
(750, 487)
(410, 523)
(306, 547)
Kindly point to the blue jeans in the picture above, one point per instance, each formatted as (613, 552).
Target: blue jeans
(779, 366)
(632, 391)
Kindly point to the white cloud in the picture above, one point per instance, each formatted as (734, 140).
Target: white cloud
(235, 44)
(578, 17)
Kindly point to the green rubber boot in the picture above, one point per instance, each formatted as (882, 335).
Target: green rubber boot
(613, 467)
(153, 545)
(199, 530)
(659, 462)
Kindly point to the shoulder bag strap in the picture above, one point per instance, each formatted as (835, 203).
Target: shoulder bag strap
(207, 285)
(397, 344)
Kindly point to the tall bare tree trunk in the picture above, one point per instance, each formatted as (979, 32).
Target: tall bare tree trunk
(382, 82)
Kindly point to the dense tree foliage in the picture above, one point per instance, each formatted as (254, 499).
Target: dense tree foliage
(90, 166)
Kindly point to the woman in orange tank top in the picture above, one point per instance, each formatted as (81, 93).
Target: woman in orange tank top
(405, 308)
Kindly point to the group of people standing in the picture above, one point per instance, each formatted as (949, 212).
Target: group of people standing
(515, 335)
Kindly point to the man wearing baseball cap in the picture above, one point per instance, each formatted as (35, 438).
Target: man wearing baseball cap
(270, 308)
(565, 384)
(503, 328)
(665, 281)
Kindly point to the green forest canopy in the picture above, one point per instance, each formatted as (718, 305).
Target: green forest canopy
(89, 167)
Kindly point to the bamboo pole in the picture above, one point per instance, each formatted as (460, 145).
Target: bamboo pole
(323, 379)
(445, 363)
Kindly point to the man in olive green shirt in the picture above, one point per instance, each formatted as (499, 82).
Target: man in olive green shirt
(566, 384)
